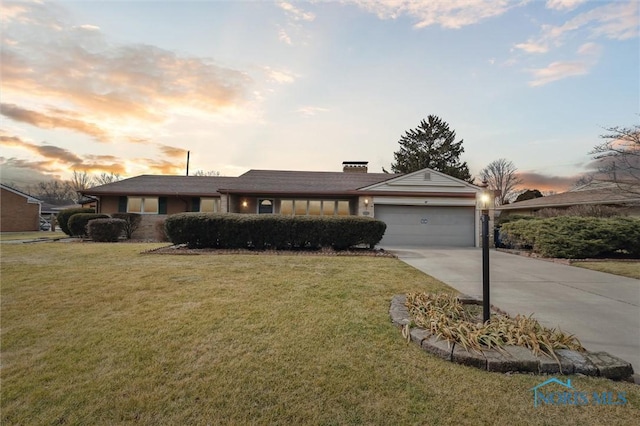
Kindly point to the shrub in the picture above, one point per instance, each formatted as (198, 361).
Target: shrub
(200, 230)
(575, 237)
(502, 219)
(158, 227)
(106, 230)
(78, 222)
(583, 210)
(132, 222)
(63, 217)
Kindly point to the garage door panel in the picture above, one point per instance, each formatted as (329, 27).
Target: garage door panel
(427, 226)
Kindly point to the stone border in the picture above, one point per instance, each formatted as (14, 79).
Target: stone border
(516, 359)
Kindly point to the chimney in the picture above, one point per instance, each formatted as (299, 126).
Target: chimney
(354, 166)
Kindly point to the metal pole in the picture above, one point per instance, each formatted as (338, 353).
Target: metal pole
(486, 304)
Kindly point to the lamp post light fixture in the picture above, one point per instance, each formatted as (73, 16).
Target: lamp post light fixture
(485, 199)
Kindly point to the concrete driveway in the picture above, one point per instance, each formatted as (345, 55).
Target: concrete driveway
(602, 310)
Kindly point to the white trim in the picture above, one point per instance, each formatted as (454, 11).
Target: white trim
(454, 182)
(426, 201)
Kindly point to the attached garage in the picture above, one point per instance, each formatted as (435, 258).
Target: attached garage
(427, 208)
(427, 225)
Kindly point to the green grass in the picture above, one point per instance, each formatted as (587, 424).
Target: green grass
(625, 269)
(31, 235)
(100, 334)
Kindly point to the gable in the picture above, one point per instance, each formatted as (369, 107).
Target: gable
(29, 198)
(425, 181)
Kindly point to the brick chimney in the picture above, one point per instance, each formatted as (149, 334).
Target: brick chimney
(354, 166)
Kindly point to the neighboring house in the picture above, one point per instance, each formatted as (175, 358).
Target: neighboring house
(596, 193)
(421, 208)
(18, 211)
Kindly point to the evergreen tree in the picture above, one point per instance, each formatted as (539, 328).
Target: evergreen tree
(432, 145)
(529, 194)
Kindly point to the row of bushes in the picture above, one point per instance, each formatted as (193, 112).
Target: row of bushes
(574, 237)
(200, 230)
(81, 222)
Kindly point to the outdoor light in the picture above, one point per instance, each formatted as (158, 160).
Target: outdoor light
(366, 202)
(244, 203)
(485, 198)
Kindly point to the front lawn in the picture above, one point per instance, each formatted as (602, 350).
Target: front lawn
(32, 235)
(100, 334)
(625, 269)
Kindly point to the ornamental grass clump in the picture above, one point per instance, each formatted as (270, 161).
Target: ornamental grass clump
(447, 318)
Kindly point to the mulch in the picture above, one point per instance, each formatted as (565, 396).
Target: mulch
(182, 249)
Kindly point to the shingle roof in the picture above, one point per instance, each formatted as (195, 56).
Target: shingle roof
(283, 181)
(254, 181)
(606, 196)
(30, 198)
(163, 185)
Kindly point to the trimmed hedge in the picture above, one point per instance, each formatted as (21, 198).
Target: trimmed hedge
(574, 237)
(132, 222)
(77, 223)
(230, 230)
(106, 230)
(63, 217)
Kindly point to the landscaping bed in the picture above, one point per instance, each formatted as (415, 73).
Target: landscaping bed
(183, 249)
(501, 345)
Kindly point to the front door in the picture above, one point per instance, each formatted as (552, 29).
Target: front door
(265, 206)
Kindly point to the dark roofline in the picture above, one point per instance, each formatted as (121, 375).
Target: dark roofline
(18, 192)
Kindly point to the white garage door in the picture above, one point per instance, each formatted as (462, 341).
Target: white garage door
(427, 226)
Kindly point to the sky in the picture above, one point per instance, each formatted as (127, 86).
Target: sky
(128, 87)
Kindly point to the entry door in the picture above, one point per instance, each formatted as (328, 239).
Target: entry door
(265, 206)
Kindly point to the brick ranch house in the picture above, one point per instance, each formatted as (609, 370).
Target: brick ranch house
(425, 207)
(19, 212)
(624, 197)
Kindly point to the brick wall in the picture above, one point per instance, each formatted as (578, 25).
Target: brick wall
(16, 214)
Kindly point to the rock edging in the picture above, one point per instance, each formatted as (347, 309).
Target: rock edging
(516, 358)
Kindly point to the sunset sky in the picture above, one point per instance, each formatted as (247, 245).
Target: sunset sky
(130, 86)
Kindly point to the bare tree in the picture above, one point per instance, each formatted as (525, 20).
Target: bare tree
(54, 192)
(105, 178)
(620, 156)
(501, 177)
(80, 181)
(207, 173)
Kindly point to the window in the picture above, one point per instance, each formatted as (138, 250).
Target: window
(343, 208)
(286, 207)
(315, 207)
(328, 208)
(210, 205)
(265, 206)
(300, 207)
(142, 205)
(134, 205)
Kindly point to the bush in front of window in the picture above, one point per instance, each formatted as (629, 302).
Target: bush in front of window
(158, 228)
(63, 217)
(203, 230)
(349, 231)
(78, 223)
(132, 222)
(106, 230)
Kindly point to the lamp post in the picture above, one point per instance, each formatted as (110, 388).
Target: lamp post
(486, 304)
